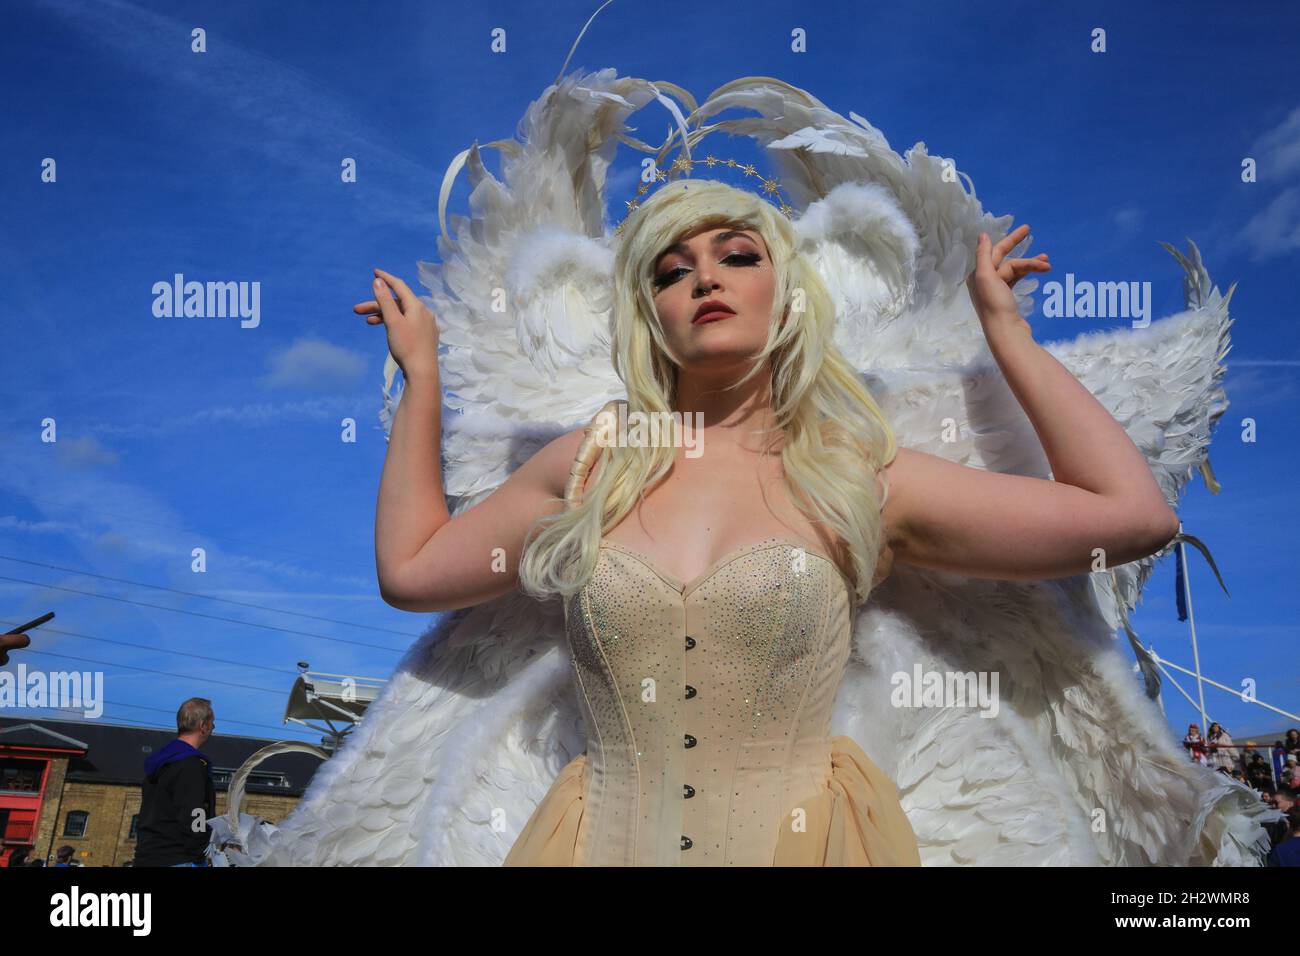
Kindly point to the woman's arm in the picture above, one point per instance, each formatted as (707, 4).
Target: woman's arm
(412, 505)
(473, 557)
(954, 518)
(425, 559)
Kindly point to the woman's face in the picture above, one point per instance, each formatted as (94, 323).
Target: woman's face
(723, 265)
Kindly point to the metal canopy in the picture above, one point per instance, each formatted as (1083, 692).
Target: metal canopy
(331, 698)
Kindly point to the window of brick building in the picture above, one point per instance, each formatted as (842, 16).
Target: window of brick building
(21, 776)
(75, 825)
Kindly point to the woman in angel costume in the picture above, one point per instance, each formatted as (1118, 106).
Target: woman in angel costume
(896, 482)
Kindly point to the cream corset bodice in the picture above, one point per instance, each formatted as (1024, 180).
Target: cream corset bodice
(707, 703)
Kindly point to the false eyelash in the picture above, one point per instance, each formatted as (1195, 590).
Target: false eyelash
(750, 259)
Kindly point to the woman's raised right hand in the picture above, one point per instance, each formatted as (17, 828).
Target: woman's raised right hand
(412, 329)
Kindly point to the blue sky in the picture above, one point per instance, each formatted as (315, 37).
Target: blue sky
(177, 433)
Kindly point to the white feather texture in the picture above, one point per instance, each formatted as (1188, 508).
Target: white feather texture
(1077, 768)
(865, 249)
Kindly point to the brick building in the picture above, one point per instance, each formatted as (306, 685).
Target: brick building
(78, 783)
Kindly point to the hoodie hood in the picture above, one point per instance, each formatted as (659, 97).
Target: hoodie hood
(176, 750)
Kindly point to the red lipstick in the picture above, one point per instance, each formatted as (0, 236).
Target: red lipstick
(711, 311)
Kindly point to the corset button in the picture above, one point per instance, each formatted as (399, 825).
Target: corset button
(690, 691)
(690, 741)
(690, 642)
(687, 842)
(687, 791)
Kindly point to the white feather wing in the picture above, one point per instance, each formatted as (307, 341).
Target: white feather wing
(1078, 767)
(450, 761)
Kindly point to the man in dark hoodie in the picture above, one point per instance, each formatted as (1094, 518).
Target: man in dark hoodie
(179, 797)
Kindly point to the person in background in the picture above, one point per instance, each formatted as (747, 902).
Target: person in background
(1282, 800)
(1257, 768)
(1287, 853)
(1195, 744)
(1291, 772)
(1278, 755)
(1222, 753)
(64, 856)
(179, 797)
(1293, 741)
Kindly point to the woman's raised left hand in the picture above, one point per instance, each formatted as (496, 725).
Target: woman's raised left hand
(993, 276)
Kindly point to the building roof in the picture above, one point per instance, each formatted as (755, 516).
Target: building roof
(115, 753)
(31, 734)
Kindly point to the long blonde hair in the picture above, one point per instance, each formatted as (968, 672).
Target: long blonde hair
(836, 437)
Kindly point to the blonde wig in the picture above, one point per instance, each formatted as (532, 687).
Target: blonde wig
(836, 437)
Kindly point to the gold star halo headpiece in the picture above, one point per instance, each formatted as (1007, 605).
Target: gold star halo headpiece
(767, 187)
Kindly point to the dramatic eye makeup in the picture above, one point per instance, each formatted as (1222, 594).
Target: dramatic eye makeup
(741, 257)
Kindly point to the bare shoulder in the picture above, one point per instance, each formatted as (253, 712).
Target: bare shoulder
(903, 459)
(909, 465)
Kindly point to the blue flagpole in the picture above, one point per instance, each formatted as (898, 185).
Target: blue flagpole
(1180, 594)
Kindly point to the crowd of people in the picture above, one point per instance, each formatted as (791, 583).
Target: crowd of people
(22, 857)
(1275, 777)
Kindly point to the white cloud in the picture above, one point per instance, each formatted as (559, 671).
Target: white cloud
(1278, 150)
(141, 526)
(316, 364)
(1256, 384)
(251, 414)
(1129, 218)
(1274, 230)
(86, 450)
(38, 527)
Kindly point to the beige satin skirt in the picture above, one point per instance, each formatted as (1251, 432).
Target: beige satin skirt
(856, 821)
